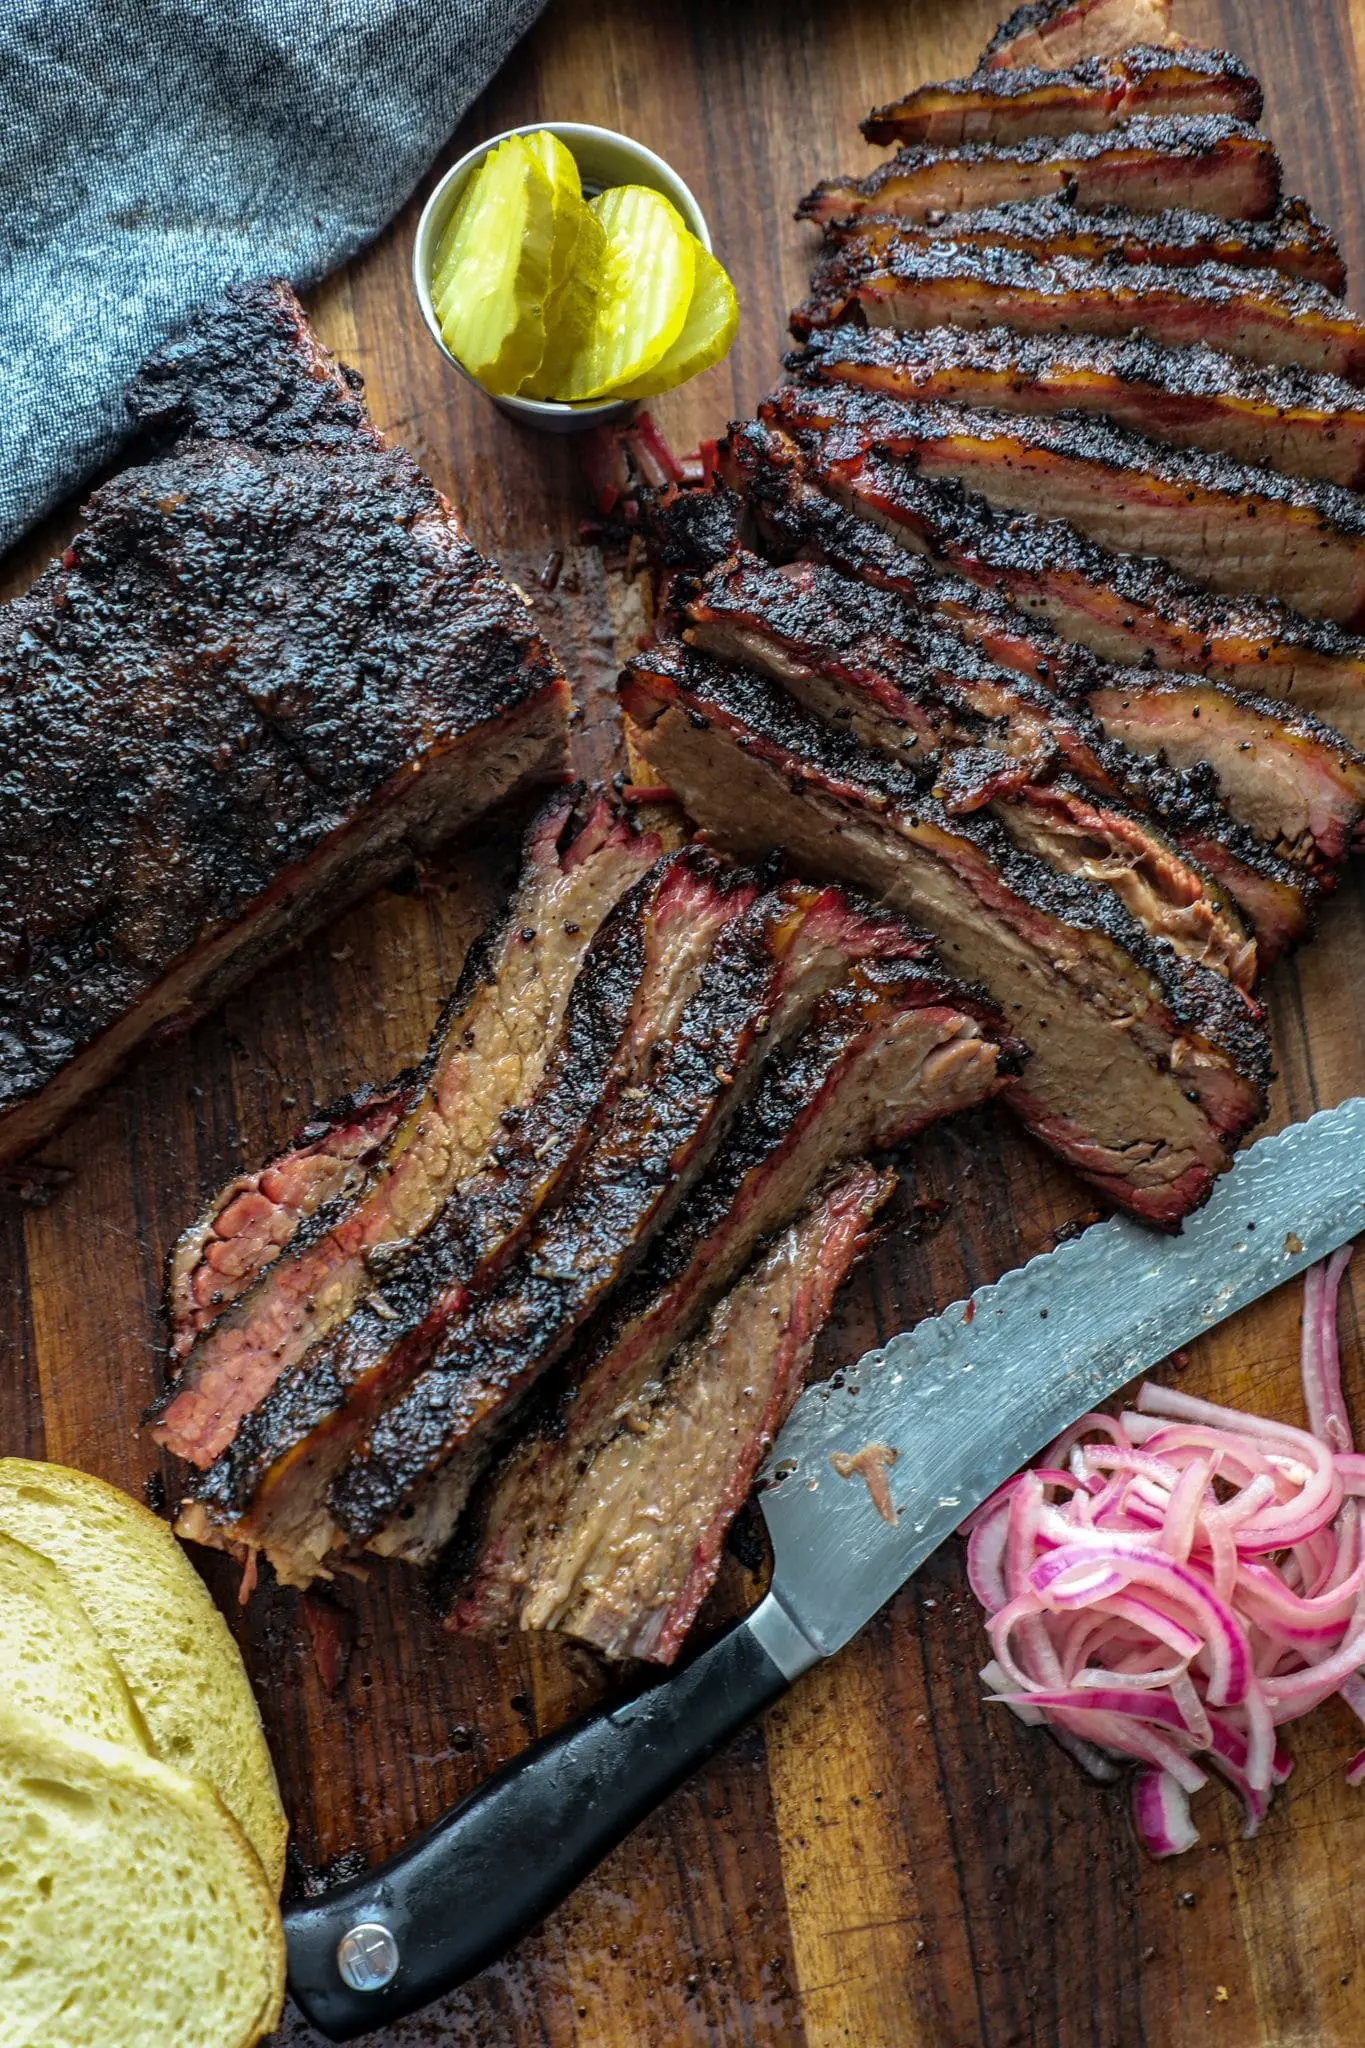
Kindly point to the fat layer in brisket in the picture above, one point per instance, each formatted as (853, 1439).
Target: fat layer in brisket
(191, 780)
(1088, 97)
(1056, 32)
(1298, 421)
(637, 1540)
(1293, 240)
(1145, 1067)
(1205, 162)
(267, 1488)
(1267, 318)
(884, 1055)
(407, 1482)
(487, 1056)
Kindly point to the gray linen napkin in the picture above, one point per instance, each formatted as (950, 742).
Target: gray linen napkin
(152, 151)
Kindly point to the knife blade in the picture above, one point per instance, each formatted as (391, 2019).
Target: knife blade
(964, 1399)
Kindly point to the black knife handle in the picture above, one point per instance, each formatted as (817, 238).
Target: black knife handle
(502, 1859)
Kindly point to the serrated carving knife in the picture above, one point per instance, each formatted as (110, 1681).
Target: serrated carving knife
(963, 1400)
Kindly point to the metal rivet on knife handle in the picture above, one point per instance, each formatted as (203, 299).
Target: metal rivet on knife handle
(367, 1957)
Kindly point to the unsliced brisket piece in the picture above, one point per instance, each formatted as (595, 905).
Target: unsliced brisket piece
(1293, 240)
(1145, 1068)
(1088, 97)
(1294, 420)
(487, 1055)
(267, 1489)
(1135, 610)
(1203, 161)
(250, 1221)
(1253, 313)
(407, 1482)
(1226, 524)
(884, 1055)
(1056, 32)
(636, 1543)
(797, 520)
(194, 777)
(859, 658)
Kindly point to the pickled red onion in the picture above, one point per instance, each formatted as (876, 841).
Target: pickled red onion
(1172, 1586)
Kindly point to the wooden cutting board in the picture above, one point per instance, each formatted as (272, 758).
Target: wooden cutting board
(886, 1863)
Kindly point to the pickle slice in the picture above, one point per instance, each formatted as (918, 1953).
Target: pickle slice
(707, 332)
(491, 276)
(648, 270)
(575, 267)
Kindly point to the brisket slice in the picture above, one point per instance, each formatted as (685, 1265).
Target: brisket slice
(487, 1055)
(636, 1543)
(1233, 527)
(267, 1489)
(1258, 314)
(1055, 32)
(1201, 161)
(859, 658)
(407, 1483)
(797, 521)
(1088, 97)
(1134, 610)
(250, 1221)
(1299, 421)
(885, 1054)
(1145, 1067)
(1293, 240)
(193, 779)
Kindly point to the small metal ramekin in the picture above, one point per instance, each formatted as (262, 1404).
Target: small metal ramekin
(604, 158)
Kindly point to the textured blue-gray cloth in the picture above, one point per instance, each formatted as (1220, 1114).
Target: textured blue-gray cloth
(152, 151)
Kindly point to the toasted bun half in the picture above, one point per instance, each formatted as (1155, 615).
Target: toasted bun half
(153, 1614)
(132, 1908)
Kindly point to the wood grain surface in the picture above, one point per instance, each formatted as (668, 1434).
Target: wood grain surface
(886, 1863)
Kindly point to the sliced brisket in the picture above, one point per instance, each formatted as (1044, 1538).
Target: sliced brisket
(487, 1056)
(859, 658)
(268, 1487)
(1293, 240)
(1145, 1067)
(407, 1482)
(636, 1542)
(1088, 97)
(193, 778)
(1253, 313)
(1056, 32)
(885, 1053)
(1299, 421)
(1225, 524)
(1200, 161)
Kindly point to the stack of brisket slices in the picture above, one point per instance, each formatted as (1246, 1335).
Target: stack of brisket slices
(1031, 603)
(574, 1266)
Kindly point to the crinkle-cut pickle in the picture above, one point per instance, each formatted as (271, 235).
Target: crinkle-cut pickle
(575, 267)
(708, 330)
(648, 270)
(492, 273)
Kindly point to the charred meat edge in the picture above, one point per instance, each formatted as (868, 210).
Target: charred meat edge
(1236, 528)
(645, 963)
(487, 1050)
(1293, 240)
(857, 657)
(755, 770)
(1090, 96)
(639, 1541)
(407, 1483)
(1055, 32)
(1273, 320)
(1299, 421)
(1134, 610)
(884, 1055)
(1203, 161)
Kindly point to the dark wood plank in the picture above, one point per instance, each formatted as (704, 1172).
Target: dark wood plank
(887, 1863)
